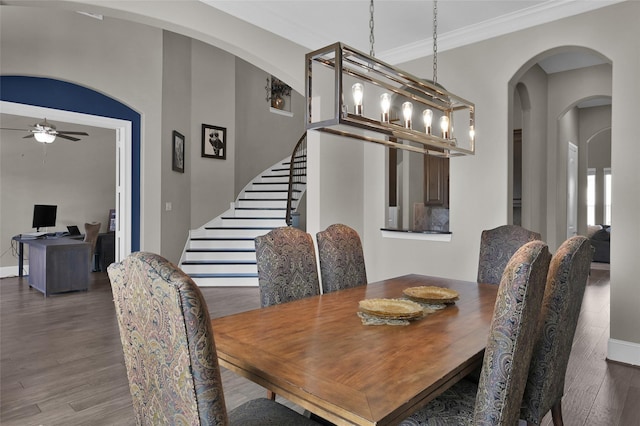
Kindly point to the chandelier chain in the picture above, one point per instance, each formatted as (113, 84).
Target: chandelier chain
(435, 41)
(371, 25)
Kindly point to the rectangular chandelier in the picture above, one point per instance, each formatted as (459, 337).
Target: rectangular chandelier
(355, 95)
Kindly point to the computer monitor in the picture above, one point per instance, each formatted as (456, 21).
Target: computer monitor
(44, 215)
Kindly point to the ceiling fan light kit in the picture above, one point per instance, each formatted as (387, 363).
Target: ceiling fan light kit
(44, 137)
(46, 132)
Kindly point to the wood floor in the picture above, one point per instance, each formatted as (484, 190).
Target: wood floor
(61, 361)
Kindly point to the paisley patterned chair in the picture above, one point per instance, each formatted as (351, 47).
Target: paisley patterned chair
(341, 258)
(496, 248)
(496, 399)
(287, 268)
(169, 350)
(566, 283)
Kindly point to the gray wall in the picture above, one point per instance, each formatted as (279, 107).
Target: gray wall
(263, 137)
(176, 115)
(213, 103)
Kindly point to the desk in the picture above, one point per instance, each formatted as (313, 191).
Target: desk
(316, 352)
(56, 265)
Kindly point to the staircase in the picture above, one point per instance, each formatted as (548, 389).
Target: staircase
(222, 252)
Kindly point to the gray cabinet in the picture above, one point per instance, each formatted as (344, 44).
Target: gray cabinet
(59, 265)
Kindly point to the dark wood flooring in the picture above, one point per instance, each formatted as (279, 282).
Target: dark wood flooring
(61, 362)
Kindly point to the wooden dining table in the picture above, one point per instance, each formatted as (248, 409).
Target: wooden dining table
(317, 353)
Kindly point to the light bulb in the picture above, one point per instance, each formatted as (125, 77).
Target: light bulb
(358, 93)
(44, 137)
(472, 133)
(444, 126)
(427, 117)
(385, 104)
(407, 112)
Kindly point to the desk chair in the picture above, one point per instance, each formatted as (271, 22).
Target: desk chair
(563, 295)
(91, 231)
(170, 353)
(496, 399)
(341, 258)
(497, 245)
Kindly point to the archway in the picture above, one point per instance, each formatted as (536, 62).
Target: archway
(543, 90)
(74, 99)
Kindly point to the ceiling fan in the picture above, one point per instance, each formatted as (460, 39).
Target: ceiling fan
(46, 132)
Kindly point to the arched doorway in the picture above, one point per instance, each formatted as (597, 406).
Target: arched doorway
(550, 96)
(76, 102)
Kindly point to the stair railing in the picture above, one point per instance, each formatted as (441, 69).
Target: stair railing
(297, 172)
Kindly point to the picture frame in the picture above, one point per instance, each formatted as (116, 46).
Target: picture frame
(214, 142)
(177, 158)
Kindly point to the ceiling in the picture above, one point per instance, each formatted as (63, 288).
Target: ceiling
(403, 29)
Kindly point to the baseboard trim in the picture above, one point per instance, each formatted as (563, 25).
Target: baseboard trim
(12, 271)
(623, 351)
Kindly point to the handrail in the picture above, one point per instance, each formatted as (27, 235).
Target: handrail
(297, 171)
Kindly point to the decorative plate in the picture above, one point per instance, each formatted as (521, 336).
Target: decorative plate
(391, 308)
(431, 294)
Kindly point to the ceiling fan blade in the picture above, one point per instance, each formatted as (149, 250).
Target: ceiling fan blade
(71, 138)
(62, 132)
(7, 128)
(28, 136)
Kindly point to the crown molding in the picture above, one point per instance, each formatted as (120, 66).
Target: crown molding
(549, 11)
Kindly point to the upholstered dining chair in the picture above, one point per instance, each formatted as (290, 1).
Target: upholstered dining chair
(287, 268)
(91, 231)
(496, 399)
(566, 282)
(497, 245)
(341, 258)
(170, 353)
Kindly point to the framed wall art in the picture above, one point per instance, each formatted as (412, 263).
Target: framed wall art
(214, 142)
(177, 162)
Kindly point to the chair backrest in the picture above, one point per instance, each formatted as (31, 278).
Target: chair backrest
(341, 258)
(496, 248)
(509, 347)
(91, 231)
(287, 268)
(169, 350)
(566, 282)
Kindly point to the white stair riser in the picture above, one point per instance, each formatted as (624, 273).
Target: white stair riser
(275, 179)
(239, 233)
(222, 244)
(271, 187)
(267, 195)
(221, 255)
(263, 203)
(219, 269)
(227, 282)
(251, 223)
(279, 214)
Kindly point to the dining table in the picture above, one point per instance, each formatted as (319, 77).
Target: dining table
(317, 352)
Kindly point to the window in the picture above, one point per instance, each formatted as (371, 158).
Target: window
(591, 196)
(607, 196)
